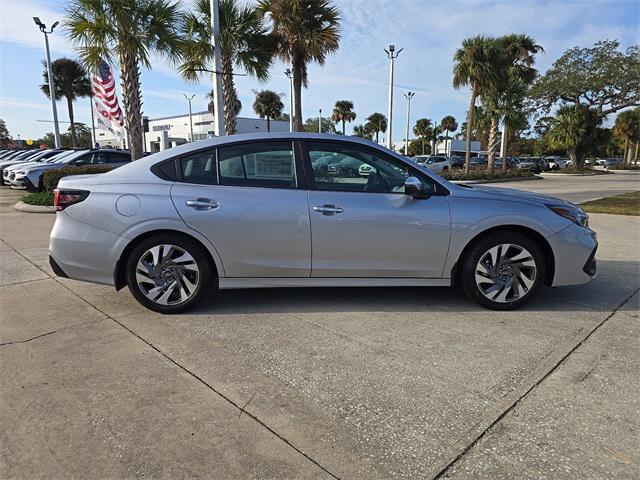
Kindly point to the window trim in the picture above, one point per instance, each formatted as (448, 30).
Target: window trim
(439, 190)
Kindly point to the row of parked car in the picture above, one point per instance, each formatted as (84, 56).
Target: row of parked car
(24, 169)
(440, 163)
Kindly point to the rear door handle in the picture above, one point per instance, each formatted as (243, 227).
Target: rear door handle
(202, 204)
(328, 209)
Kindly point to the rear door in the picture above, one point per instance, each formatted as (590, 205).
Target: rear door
(245, 198)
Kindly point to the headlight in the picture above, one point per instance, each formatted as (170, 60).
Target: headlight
(571, 212)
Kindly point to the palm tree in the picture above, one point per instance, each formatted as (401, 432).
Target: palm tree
(477, 63)
(575, 128)
(306, 31)
(245, 43)
(434, 135)
(627, 128)
(422, 130)
(343, 112)
(376, 122)
(268, 105)
(363, 131)
(127, 32)
(71, 81)
(448, 124)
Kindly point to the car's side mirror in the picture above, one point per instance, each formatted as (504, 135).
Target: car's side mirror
(78, 162)
(429, 162)
(415, 188)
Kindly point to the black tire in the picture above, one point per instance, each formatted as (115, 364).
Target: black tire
(481, 248)
(205, 276)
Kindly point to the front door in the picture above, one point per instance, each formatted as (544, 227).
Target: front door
(248, 205)
(362, 222)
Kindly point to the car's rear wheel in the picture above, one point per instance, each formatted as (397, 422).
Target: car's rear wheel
(503, 271)
(169, 273)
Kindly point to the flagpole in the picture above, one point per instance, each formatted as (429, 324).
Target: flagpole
(93, 122)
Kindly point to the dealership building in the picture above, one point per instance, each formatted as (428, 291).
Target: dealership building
(168, 132)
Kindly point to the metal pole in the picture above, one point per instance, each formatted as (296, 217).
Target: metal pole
(392, 54)
(320, 122)
(503, 150)
(217, 68)
(94, 140)
(289, 75)
(408, 96)
(190, 117)
(52, 89)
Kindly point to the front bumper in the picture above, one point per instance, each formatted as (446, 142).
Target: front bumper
(574, 250)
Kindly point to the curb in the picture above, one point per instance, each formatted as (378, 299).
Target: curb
(23, 207)
(576, 174)
(497, 180)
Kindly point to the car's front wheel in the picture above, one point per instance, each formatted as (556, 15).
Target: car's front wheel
(169, 273)
(503, 271)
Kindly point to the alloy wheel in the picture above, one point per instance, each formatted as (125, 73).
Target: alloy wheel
(167, 274)
(505, 273)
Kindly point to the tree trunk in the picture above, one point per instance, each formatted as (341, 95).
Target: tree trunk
(230, 96)
(626, 151)
(343, 127)
(297, 95)
(472, 104)
(506, 143)
(377, 133)
(132, 102)
(447, 152)
(73, 125)
(635, 160)
(268, 124)
(493, 134)
(423, 145)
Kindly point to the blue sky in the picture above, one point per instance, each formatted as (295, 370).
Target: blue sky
(428, 30)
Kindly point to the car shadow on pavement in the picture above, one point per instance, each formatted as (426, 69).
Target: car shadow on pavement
(617, 280)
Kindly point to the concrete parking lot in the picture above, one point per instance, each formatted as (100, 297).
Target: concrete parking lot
(321, 383)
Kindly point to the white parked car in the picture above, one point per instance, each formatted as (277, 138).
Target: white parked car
(435, 163)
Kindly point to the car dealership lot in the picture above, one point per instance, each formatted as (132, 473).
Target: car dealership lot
(321, 383)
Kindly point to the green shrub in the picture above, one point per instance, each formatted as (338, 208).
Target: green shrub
(483, 174)
(38, 198)
(51, 178)
(625, 167)
(580, 171)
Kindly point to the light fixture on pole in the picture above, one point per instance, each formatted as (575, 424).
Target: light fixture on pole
(189, 98)
(392, 54)
(289, 75)
(320, 122)
(408, 96)
(52, 87)
(218, 98)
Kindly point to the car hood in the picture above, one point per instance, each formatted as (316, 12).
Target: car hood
(44, 166)
(517, 195)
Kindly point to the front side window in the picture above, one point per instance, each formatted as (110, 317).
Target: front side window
(352, 169)
(200, 167)
(269, 165)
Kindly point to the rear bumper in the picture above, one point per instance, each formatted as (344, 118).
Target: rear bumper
(83, 252)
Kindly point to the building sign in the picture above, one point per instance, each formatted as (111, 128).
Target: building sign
(160, 128)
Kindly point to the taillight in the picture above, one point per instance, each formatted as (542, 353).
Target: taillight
(62, 198)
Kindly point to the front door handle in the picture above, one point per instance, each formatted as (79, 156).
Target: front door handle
(202, 204)
(328, 209)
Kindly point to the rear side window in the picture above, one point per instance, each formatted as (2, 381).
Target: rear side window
(269, 164)
(200, 168)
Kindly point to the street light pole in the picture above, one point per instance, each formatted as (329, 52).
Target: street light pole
(320, 122)
(52, 87)
(392, 55)
(190, 118)
(408, 96)
(218, 103)
(289, 75)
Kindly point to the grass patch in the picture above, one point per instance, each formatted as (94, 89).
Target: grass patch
(39, 198)
(580, 171)
(483, 174)
(625, 204)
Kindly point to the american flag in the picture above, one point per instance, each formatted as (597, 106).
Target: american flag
(105, 100)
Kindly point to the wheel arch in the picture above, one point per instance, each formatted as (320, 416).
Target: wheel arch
(538, 238)
(119, 273)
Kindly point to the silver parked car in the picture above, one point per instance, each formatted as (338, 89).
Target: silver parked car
(250, 211)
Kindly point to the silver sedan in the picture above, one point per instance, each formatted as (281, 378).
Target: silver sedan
(268, 210)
